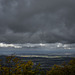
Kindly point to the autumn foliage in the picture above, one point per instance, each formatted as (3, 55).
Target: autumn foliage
(63, 69)
(15, 66)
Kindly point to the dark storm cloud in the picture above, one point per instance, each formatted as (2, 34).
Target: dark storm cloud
(35, 21)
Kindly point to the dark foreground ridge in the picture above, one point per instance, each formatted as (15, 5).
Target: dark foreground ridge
(13, 65)
(46, 63)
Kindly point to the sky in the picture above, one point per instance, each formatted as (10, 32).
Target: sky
(37, 21)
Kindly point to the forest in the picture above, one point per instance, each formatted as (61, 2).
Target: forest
(13, 65)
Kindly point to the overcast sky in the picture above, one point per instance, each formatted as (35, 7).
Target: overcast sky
(35, 21)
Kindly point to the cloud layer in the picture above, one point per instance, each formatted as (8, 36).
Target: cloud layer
(34, 21)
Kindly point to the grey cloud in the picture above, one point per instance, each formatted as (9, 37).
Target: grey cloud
(35, 21)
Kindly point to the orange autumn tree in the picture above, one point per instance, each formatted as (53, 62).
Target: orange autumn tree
(15, 66)
(64, 69)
